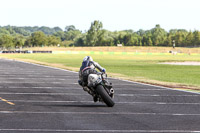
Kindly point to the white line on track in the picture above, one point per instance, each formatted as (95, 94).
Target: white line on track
(46, 87)
(34, 78)
(97, 113)
(66, 88)
(46, 66)
(110, 78)
(102, 131)
(146, 95)
(58, 87)
(31, 82)
(159, 103)
(74, 94)
(37, 101)
(157, 86)
(114, 78)
(24, 73)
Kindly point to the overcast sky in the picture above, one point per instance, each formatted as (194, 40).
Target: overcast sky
(114, 14)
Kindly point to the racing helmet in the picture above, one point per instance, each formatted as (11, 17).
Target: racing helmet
(87, 58)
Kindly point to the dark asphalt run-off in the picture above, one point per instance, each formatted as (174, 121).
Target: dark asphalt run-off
(35, 98)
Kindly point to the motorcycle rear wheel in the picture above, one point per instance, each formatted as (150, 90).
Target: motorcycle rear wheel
(104, 95)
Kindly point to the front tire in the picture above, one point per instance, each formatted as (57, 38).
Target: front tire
(104, 95)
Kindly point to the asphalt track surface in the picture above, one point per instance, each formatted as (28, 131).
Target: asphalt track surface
(38, 99)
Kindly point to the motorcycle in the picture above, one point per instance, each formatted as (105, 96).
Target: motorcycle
(99, 87)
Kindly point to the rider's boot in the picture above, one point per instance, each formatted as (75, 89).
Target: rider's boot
(95, 98)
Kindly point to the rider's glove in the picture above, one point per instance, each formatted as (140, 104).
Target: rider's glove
(104, 70)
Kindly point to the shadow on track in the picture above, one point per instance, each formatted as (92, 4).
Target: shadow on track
(76, 105)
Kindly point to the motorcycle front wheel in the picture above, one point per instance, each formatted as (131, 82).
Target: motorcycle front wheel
(104, 95)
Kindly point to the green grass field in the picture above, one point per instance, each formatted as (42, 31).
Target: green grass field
(143, 68)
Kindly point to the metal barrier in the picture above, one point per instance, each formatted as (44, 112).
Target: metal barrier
(24, 52)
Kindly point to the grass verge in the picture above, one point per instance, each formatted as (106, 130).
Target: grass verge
(137, 49)
(140, 68)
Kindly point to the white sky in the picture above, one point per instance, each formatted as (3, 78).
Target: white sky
(114, 14)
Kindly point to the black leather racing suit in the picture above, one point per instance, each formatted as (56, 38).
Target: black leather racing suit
(88, 67)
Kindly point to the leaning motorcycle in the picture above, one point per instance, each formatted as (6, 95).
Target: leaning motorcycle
(99, 86)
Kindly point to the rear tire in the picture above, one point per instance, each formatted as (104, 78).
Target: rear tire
(104, 95)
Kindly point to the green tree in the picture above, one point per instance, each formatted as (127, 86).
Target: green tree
(18, 41)
(140, 32)
(81, 41)
(144, 40)
(121, 37)
(56, 29)
(180, 38)
(149, 41)
(168, 41)
(38, 39)
(28, 42)
(4, 31)
(60, 34)
(94, 33)
(196, 39)
(70, 28)
(6, 41)
(131, 39)
(72, 35)
(158, 35)
(189, 39)
(53, 40)
(46, 30)
(10, 29)
(106, 38)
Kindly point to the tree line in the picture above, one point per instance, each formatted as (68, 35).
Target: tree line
(15, 37)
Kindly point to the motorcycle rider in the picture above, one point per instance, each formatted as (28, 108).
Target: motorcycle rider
(88, 67)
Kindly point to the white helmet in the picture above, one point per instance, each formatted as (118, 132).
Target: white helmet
(87, 58)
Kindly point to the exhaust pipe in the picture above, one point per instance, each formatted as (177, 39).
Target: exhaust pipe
(112, 91)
